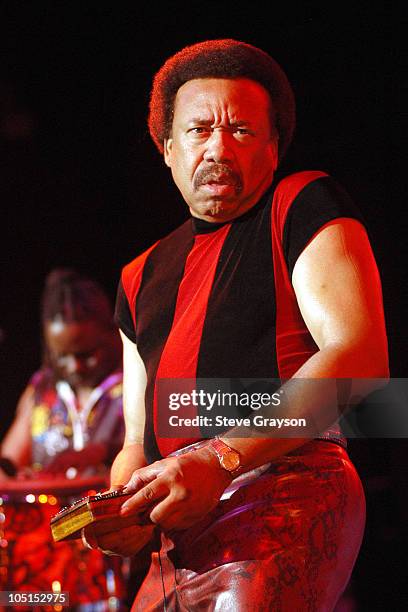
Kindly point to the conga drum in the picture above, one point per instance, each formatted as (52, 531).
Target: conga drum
(30, 561)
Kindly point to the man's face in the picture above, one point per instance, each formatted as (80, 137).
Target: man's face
(223, 150)
(82, 353)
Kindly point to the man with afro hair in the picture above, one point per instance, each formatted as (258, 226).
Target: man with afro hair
(268, 280)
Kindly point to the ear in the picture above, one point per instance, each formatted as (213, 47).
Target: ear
(167, 149)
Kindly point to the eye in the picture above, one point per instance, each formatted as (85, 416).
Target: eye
(199, 130)
(243, 131)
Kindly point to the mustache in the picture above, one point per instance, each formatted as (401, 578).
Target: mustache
(217, 173)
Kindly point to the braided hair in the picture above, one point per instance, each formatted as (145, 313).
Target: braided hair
(70, 297)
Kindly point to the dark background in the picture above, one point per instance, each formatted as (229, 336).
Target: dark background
(82, 185)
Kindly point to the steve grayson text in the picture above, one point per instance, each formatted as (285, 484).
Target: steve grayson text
(223, 421)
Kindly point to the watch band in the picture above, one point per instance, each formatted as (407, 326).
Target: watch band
(230, 459)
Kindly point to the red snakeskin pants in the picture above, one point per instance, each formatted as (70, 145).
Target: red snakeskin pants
(287, 542)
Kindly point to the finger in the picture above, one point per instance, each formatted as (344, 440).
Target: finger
(176, 512)
(120, 538)
(88, 537)
(124, 540)
(143, 476)
(175, 518)
(143, 499)
(127, 541)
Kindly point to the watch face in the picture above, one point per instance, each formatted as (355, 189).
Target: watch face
(230, 461)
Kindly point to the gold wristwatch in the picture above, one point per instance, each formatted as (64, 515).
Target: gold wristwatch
(229, 458)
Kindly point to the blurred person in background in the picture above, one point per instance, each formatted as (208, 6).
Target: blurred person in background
(67, 429)
(69, 418)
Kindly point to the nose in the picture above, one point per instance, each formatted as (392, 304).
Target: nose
(73, 365)
(218, 146)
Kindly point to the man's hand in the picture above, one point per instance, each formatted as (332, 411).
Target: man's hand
(118, 536)
(180, 490)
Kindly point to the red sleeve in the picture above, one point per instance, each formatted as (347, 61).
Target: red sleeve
(129, 285)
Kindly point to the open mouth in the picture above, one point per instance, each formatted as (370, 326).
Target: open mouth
(218, 188)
